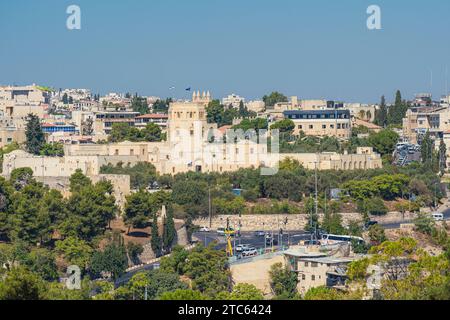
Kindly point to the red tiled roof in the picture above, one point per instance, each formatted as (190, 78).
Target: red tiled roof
(224, 129)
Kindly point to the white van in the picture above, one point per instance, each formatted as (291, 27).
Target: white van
(438, 216)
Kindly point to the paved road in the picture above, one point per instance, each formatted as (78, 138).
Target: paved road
(258, 242)
(294, 236)
(249, 238)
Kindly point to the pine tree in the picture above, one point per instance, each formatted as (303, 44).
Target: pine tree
(34, 135)
(156, 239)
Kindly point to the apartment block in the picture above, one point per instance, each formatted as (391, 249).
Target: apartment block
(321, 123)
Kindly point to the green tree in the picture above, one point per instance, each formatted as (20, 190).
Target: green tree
(138, 209)
(442, 157)
(91, 210)
(381, 114)
(134, 251)
(21, 177)
(332, 223)
(285, 126)
(274, 98)
(175, 262)
(142, 174)
(65, 98)
(208, 270)
(283, 281)
(35, 138)
(384, 142)
(427, 148)
(374, 206)
(182, 295)
(169, 232)
(313, 218)
(398, 111)
(42, 262)
(21, 284)
(161, 282)
(112, 260)
(6, 192)
(140, 105)
(377, 234)
(78, 181)
(52, 150)
(156, 239)
(151, 133)
(245, 291)
(424, 224)
(28, 222)
(162, 106)
(74, 251)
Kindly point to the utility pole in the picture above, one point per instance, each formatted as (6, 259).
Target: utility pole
(209, 208)
(314, 226)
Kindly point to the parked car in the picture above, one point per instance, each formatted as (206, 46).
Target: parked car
(437, 216)
(260, 233)
(204, 229)
(242, 247)
(251, 251)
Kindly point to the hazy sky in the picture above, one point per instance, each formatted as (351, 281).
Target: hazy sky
(313, 49)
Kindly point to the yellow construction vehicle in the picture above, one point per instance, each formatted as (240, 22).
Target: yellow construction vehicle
(229, 233)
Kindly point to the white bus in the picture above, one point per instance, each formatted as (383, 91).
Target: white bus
(331, 239)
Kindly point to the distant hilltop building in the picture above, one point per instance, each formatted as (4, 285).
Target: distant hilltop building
(256, 106)
(203, 99)
(233, 100)
(16, 102)
(76, 94)
(423, 100)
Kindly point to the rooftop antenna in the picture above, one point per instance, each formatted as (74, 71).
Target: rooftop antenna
(431, 80)
(446, 80)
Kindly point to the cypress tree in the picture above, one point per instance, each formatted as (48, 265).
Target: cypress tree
(442, 157)
(427, 149)
(156, 239)
(381, 114)
(34, 135)
(169, 232)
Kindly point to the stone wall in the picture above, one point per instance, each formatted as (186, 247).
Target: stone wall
(266, 222)
(295, 221)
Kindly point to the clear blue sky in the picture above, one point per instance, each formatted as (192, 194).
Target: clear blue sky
(313, 49)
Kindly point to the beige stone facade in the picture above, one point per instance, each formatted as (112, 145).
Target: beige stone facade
(364, 159)
(314, 269)
(321, 123)
(192, 145)
(419, 121)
